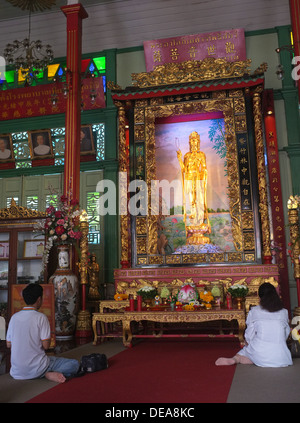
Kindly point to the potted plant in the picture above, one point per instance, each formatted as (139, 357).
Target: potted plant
(164, 293)
(147, 293)
(238, 292)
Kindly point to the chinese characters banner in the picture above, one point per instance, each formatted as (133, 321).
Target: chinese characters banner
(279, 243)
(37, 101)
(229, 45)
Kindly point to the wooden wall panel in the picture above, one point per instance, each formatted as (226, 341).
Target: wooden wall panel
(127, 23)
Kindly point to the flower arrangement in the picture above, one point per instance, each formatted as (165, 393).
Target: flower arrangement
(147, 292)
(164, 293)
(120, 297)
(61, 225)
(172, 298)
(206, 298)
(237, 291)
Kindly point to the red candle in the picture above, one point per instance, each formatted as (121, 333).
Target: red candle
(229, 301)
(131, 304)
(139, 303)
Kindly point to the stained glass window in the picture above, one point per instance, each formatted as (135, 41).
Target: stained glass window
(22, 151)
(51, 200)
(96, 65)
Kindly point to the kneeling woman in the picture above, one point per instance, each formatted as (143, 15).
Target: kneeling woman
(266, 333)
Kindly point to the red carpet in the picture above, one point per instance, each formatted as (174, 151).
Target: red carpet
(154, 371)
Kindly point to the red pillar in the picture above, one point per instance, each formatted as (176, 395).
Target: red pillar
(75, 13)
(275, 193)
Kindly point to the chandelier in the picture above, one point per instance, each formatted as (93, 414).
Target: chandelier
(27, 56)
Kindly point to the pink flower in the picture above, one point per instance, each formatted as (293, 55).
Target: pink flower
(58, 214)
(174, 220)
(73, 234)
(63, 199)
(50, 210)
(61, 222)
(59, 230)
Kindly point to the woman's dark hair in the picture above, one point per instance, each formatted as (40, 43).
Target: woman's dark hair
(32, 292)
(269, 299)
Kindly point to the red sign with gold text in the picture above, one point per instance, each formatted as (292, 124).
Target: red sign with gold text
(229, 45)
(37, 101)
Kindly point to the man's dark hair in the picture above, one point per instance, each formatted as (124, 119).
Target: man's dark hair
(269, 299)
(32, 292)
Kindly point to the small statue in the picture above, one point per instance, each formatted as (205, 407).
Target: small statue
(93, 271)
(157, 300)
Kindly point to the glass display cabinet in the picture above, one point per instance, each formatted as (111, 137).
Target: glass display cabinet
(21, 251)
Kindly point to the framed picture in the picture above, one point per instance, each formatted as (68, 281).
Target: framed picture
(17, 303)
(6, 149)
(40, 144)
(33, 248)
(195, 216)
(86, 140)
(4, 249)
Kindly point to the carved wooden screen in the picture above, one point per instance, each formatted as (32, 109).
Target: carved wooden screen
(237, 105)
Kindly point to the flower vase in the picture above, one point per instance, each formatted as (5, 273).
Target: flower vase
(66, 294)
(239, 302)
(148, 302)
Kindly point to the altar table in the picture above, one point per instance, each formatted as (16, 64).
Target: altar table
(127, 317)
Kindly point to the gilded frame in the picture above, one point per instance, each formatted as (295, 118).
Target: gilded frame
(233, 106)
(8, 144)
(36, 150)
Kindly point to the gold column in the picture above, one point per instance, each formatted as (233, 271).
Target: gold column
(123, 183)
(293, 217)
(84, 327)
(262, 180)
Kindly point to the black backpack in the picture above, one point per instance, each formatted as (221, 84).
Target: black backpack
(93, 363)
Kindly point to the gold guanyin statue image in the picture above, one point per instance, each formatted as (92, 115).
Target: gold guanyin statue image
(93, 272)
(194, 182)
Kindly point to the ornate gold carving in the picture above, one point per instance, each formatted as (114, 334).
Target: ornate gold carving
(247, 220)
(113, 86)
(139, 115)
(139, 132)
(261, 172)
(226, 106)
(194, 70)
(167, 317)
(141, 245)
(113, 305)
(84, 250)
(236, 93)
(141, 228)
(239, 105)
(18, 212)
(261, 69)
(83, 322)
(240, 123)
(293, 217)
(249, 242)
(235, 257)
(123, 167)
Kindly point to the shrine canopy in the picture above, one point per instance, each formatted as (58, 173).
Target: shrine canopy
(222, 102)
(190, 77)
